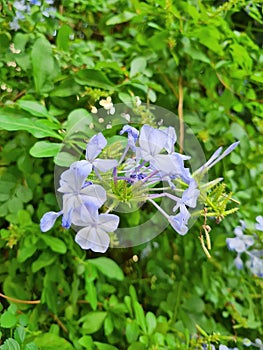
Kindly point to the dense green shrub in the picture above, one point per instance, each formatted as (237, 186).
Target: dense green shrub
(202, 60)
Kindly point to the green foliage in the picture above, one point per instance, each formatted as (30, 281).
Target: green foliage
(165, 294)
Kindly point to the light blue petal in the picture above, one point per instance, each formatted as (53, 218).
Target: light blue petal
(89, 238)
(95, 146)
(73, 179)
(105, 165)
(48, 220)
(259, 225)
(108, 222)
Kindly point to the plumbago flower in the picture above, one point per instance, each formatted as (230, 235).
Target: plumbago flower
(241, 244)
(149, 168)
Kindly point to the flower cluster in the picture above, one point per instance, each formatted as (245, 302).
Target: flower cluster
(221, 347)
(148, 169)
(23, 8)
(241, 244)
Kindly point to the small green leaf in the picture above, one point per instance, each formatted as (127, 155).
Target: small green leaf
(91, 294)
(8, 320)
(20, 334)
(54, 243)
(121, 18)
(139, 315)
(94, 321)
(151, 322)
(45, 259)
(63, 37)
(43, 149)
(50, 341)
(108, 267)
(138, 65)
(102, 346)
(132, 332)
(10, 344)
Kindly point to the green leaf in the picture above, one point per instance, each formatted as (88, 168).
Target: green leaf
(50, 341)
(132, 332)
(93, 77)
(24, 194)
(137, 346)
(10, 344)
(65, 159)
(121, 18)
(43, 149)
(35, 108)
(93, 321)
(12, 121)
(86, 342)
(91, 296)
(30, 346)
(45, 259)
(54, 243)
(139, 315)
(8, 320)
(108, 267)
(78, 121)
(20, 334)
(63, 37)
(14, 205)
(67, 87)
(44, 68)
(138, 65)
(103, 346)
(151, 322)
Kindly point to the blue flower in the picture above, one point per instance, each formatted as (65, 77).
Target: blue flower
(180, 220)
(96, 144)
(241, 242)
(75, 192)
(259, 225)
(255, 262)
(152, 141)
(216, 157)
(133, 135)
(94, 235)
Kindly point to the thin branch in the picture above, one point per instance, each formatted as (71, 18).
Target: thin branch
(180, 112)
(20, 300)
(59, 323)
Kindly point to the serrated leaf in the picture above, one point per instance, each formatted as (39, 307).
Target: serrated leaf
(10, 344)
(8, 320)
(43, 149)
(108, 267)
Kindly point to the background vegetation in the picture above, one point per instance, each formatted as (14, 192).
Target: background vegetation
(200, 59)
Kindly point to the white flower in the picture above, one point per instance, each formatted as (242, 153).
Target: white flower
(107, 105)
